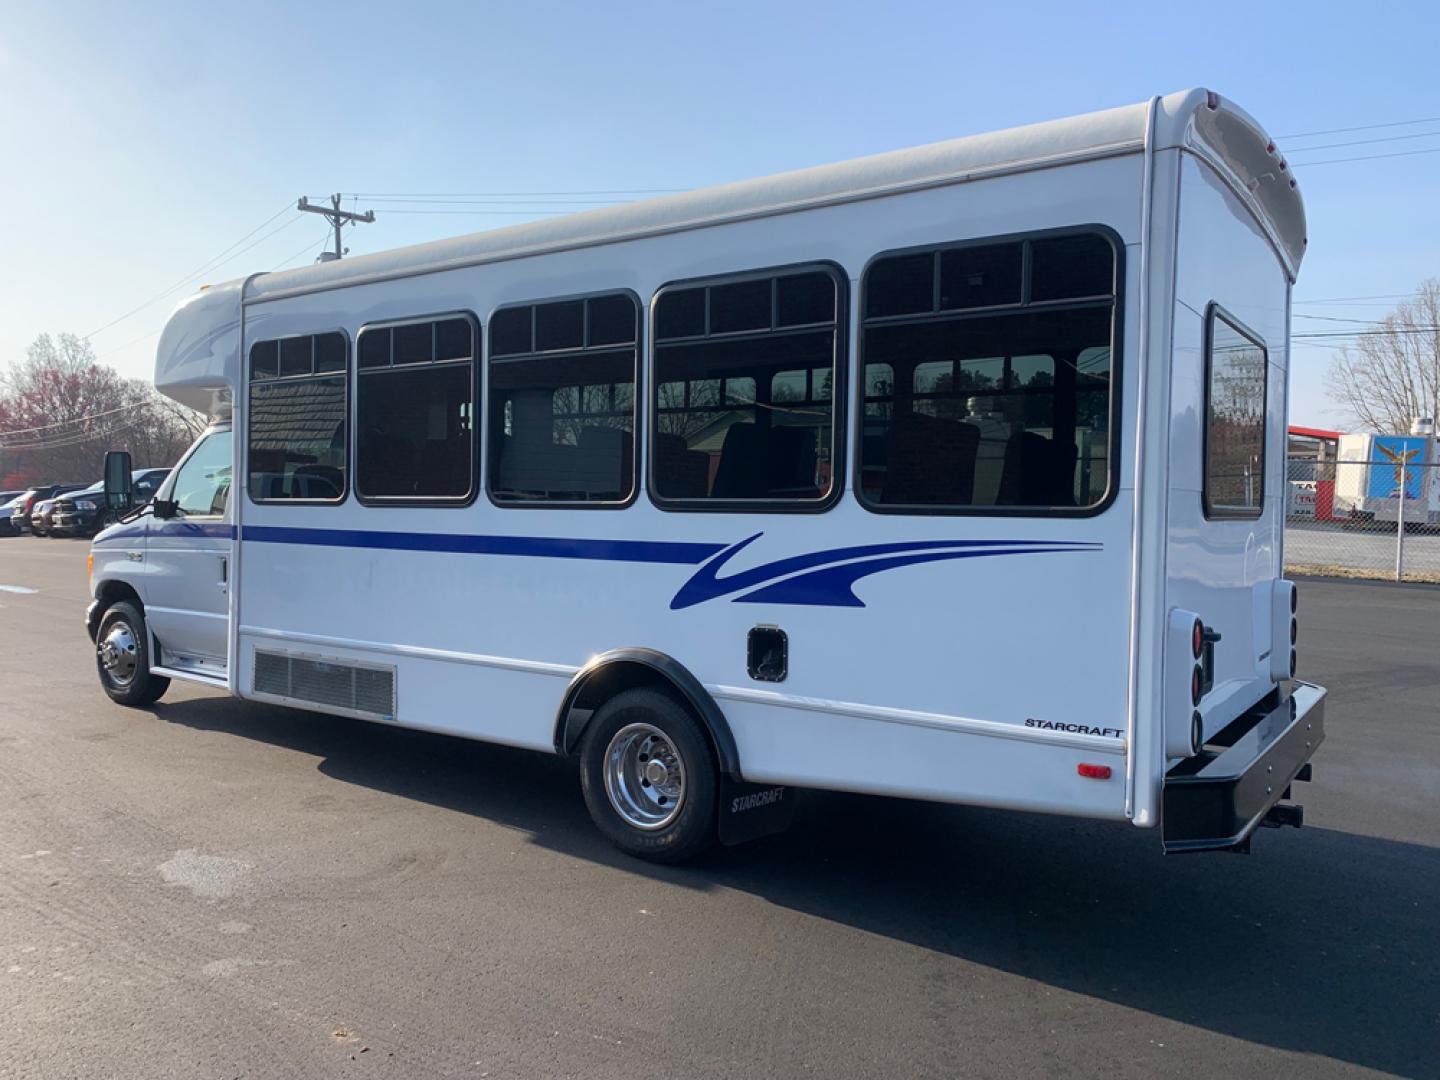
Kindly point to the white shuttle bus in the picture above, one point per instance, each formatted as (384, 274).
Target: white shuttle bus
(954, 473)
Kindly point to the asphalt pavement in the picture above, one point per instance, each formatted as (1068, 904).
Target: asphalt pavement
(1318, 547)
(219, 889)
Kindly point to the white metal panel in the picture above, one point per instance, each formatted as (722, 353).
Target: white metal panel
(988, 639)
(1223, 568)
(198, 358)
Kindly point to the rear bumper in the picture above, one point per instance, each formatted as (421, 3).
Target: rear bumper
(1215, 800)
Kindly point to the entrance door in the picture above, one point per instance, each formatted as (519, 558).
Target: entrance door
(189, 555)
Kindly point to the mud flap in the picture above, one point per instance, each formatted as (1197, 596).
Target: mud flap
(750, 811)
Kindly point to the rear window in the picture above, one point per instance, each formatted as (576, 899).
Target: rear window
(1236, 371)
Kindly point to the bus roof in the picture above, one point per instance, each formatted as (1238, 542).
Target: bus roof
(1198, 120)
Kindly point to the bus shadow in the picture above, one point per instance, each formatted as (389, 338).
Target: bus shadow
(1323, 943)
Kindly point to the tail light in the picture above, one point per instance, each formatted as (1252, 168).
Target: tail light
(1284, 629)
(1189, 672)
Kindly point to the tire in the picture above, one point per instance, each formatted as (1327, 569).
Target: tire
(616, 773)
(122, 657)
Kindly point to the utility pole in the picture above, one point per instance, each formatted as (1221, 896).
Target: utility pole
(337, 217)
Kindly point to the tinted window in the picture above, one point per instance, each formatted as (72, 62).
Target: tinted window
(980, 276)
(1009, 406)
(742, 306)
(1064, 267)
(804, 298)
(562, 416)
(745, 413)
(146, 486)
(680, 313)
(560, 326)
(1236, 371)
(415, 431)
(510, 331)
(297, 431)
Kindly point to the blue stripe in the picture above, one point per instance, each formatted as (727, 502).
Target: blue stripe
(814, 579)
(209, 530)
(539, 547)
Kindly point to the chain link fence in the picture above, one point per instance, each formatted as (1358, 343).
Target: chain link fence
(1366, 519)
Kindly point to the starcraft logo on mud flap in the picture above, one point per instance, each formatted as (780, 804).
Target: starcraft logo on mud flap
(768, 797)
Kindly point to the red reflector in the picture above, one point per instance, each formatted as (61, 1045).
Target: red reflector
(1094, 772)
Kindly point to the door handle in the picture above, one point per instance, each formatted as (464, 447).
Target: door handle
(224, 581)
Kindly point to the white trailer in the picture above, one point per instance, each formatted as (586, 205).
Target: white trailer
(1374, 472)
(955, 473)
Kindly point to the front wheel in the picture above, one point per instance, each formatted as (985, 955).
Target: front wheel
(122, 656)
(649, 776)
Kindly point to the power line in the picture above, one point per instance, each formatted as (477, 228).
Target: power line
(1366, 157)
(483, 213)
(1332, 318)
(202, 268)
(75, 438)
(281, 265)
(72, 420)
(501, 202)
(1349, 299)
(1362, 142)
(1362, 127)
(1370, 333)
(506, 194)
(128, 344)
(338, 218)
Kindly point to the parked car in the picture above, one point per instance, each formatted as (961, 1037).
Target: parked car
(83, 512)
(8, 501)
(40, 511)
(20, 513)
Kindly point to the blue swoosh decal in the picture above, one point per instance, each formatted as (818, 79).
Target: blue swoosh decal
(831, 586)
(834, 571)
(815, 579)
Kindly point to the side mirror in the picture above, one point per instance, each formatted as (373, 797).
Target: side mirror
(118, 494)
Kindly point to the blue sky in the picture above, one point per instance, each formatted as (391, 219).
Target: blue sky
(140, 140)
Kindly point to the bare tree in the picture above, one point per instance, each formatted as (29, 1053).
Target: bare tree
(1392, 373)
(60, 411)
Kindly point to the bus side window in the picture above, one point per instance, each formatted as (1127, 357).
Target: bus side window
(744, 398)
(415, 410)
(298, 448)
(987, 375)
(562, 402)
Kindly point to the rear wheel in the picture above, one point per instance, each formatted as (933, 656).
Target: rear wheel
(122, 656)
(649, 776)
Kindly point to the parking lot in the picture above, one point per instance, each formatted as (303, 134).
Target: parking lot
(1320, 547)
(218, 889)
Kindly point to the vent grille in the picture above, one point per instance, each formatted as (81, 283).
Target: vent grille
(340, 684)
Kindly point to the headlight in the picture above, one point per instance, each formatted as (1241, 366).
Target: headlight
(84, 504)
